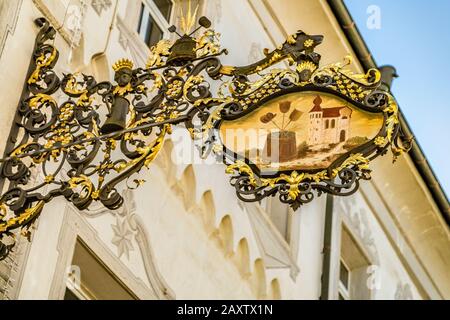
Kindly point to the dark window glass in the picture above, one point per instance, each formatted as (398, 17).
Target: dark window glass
(150, 32)
(69, 295)
(165, 6)
(154, 33)
(344, 275)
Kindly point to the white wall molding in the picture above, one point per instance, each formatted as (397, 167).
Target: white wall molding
(404, 251)
(74, 226)
(9, 14)
(276, 252)
(129, 40)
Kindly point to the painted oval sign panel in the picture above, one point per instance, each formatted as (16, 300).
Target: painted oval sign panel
(293, 132)
(304, 131)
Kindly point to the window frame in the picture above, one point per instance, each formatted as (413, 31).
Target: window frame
(74, 229)
(342, 289)
(352, 291)
(78, 291)
(157, 16)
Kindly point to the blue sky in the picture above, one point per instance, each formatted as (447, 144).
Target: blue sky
(414, 37)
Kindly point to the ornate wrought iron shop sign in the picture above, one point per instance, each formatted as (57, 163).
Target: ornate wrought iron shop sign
(293, 133)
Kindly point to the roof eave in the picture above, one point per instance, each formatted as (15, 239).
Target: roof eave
(367, 61)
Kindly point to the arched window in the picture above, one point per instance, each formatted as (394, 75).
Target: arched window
(333, 123)
(327, 124)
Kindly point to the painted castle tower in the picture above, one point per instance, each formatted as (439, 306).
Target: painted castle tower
(328, 125)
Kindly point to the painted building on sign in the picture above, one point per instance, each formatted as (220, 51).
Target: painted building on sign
(184, 234)
(328, 125)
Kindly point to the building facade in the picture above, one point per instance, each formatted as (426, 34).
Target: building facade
(184, 234)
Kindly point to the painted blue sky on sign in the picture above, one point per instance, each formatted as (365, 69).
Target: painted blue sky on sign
(414, 36)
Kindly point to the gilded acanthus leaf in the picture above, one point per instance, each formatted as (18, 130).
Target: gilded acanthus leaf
(157, 52)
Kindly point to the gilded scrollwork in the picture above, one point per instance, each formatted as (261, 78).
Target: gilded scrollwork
(296, 187)
(104, 133)
(208, 44)
(97, 152)
(158, 53)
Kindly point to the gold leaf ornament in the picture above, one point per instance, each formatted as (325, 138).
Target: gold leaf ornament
(157, 52)
(188, 20)
(22, 219)
(357, 160)
(42, 61)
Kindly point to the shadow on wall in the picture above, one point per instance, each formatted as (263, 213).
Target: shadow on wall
(185, 188)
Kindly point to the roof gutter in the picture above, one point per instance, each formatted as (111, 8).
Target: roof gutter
(364, 56)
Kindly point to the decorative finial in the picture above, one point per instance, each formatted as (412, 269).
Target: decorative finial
(123, 63)
(188, 21)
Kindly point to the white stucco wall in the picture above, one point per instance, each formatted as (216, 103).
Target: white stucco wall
(188, 215)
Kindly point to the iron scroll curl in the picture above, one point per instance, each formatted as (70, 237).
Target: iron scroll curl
(100, 135)
(299, 186)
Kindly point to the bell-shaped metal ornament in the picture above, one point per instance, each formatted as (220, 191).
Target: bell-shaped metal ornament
(117, 118)
(182, 51)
